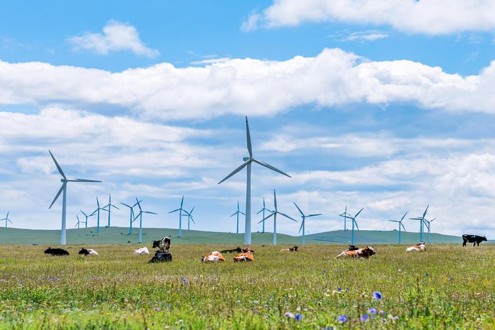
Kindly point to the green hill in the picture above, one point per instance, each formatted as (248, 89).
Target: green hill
(119, 235)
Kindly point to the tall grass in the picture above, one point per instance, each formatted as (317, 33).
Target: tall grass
(446, 287)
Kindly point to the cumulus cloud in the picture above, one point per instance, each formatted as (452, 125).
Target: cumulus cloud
(424, 16)
(116, 37)
(249, 86)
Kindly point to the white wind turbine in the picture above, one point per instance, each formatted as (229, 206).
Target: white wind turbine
(63, 191)
(247, 163)
(6, 219)
(238, 212)
(303, 222)
(274, 214)
(140, 216)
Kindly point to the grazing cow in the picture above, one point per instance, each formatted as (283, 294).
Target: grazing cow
(214, 256)
(475, 239)
(161, 257)
(417, 247)
(236, 250)
(142, 251)
(56, 252)
(244, 256)
(163, 244)
(88, 252)
(292, 249)
(360, 253)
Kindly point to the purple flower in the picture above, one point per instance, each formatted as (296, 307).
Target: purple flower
(184, 280)
(372, 311)
(451, 279)
(377, 295)
(339, 289)
(342, 319)
(298, 317)
(364, 317)
(427, 274)
(156, 309)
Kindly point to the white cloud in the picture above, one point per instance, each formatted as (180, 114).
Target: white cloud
(365, 36)
(424, 16)
(116, 37)
(248, 86)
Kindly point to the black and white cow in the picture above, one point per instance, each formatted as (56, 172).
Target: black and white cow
(56, 252)
(162, 244)
(475, 239)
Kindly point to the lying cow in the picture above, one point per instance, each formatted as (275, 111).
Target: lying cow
(475, 239)
(162, 244)
(161, 257)
(244, 256)
(142, 251)
(237, 250)
(360, 253)
(214, 256)
(56, 252)
(292, 249)
(420, 247)
(88, 252)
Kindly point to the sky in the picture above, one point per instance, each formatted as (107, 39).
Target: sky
(385, 105)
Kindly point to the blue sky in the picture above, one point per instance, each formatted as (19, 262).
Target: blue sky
(386, 105)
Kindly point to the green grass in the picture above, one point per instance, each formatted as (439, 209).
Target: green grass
(447, 287)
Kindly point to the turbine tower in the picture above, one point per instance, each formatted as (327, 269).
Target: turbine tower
(422, 221)
(401, 225)
(131, 215)
(237, 213)
(354, 224)
(140, 216)
(346, 216)
(77, 223)
(108, 208)
(6, 219)
(263, 209)
(97, 212)
(247, 163)
(189, 218)
(63, 191)
(428, 226)
(181, 214)
(303, 222)
(87, 216)
(274, 214)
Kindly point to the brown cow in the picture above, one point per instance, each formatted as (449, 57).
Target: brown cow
(292, 249)
(360, 253)
(214, 256)
(244, 256)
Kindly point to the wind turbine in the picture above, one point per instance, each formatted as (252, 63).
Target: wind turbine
(354, 223)
(346, 216)
(87, 216)
(274, 214)
(421, 223)
(428, 226)
(6, 219)
(108, 208)
(247, 163)
(401, 225)
(77, 223)
(97, 211)
(181, 213)
(131, 215)
(189, 218)
(237, 213)
(140, 216)
(263, 209)
(303, 222)
(63, 191)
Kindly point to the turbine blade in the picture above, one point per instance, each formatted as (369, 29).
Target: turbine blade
(356, 224)
(314, 215)
(58, 166)
(273, 168)
(174, 211)
(401, 224)
(126, 205)
(236, 170)
(302, 224)
(266, 218)
(83, 180)
(358, 212)
(149, 212)
(299, 209)
(426, 210)
(403, 216)
(275, 199)
(289, 217)
(248, 140)
(58, 194)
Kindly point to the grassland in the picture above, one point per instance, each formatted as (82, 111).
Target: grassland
(447, 287)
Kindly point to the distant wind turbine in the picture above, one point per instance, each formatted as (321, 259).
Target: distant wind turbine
(63, 191)
(303, 222)
(6, 219)
(77, 223)
(247, 163)
(97, 212)
(140, 216)
(422, 221)
(237, 213)
(189, 218)
(274, 214)
(401, 225)
(87, 216)
(354, 224)
(181, 214)
(131, 215)
(428, 226)
(263, 209)
(346, 216)
(108, 208)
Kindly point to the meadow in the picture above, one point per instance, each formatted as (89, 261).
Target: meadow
(447, 287)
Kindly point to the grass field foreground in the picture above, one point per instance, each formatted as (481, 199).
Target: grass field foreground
(446, 287)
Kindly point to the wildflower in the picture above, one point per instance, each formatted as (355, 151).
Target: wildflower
(377, 295)
(298, 317)
(289, 314)
(372, 311)
(184, 280)
(364, 317)
(451, 279)
(157, 309)
(342, 319)
(427, 274)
